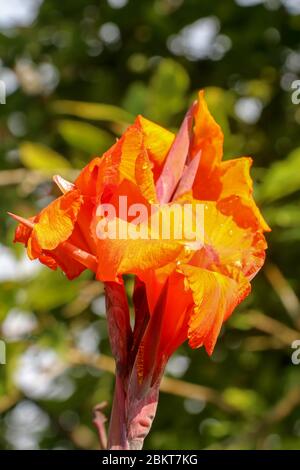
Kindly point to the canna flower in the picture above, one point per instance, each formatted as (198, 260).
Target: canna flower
(184, 290)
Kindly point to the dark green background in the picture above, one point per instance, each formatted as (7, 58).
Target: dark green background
(66, 54)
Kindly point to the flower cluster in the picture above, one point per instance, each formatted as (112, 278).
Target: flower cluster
(183, 290)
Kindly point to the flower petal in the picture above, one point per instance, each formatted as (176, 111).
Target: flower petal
(226, 244)
(236, 198)
(55, 223)
(215, 297)
(119, 256)
(57, 257)
(126, 160)
(60, 258)
(157, 142)
(188, 177)
(135, 165)
(175, 161)
(208, 139)
(23, 232)
(89, 180)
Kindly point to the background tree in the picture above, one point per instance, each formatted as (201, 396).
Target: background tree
(76, 73)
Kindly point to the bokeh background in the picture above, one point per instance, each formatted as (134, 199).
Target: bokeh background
(76, 72)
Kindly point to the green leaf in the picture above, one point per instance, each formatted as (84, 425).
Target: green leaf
(284, 216)
(135, 100)
(282, 179)
(167, 94)
(84, 136)
(94, 111)
(39, 157)
(51, 289)
(245, 400)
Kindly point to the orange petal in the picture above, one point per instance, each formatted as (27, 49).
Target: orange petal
(48, 260)
(118, 257)
(227, 245)
(55, 223)
(135, 165)
(208, 139)
(59, 257)
(52, 259)
(227, 182)
(215, 297)
(85, 259)
(126, 252)
(236, 198)
(88, 180)
(165, 330)
(127, 160)
(155, 281)
(23, 231)
(175, 316)
(82, 235)
(134, 247)
(157, 142)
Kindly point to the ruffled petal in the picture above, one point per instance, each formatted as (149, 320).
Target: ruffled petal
(23, 232)
(157, 142)
(59, 258)
(208, 140)
(54, 224)
(215, 297)
(118, 256)
(226, 244)
(135, 165)
(227, 182)
(127, 160)
(89, 181)
(236, 198)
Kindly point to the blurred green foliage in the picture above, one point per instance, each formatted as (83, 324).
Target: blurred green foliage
(76, 76)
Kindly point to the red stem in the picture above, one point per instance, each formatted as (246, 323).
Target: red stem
(99, 421)
(134, 403)
(117, 434)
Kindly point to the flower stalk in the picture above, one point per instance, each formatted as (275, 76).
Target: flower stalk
(184, 290)
(134, 406)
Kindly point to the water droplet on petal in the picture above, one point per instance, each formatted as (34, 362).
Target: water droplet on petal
(238, 263)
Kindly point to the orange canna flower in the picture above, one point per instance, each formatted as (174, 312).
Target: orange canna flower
(184, 290)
